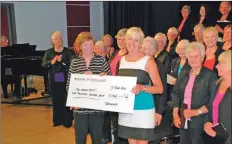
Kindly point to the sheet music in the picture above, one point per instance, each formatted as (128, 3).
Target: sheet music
(170, 79)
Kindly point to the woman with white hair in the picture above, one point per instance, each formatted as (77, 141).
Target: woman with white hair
(57, 60)
(191, 95)
(162, 55)
(172, 42)
(100, 49)
(185, 27)
(213, 49)
(226, 15)
(220, 109)
(144, 68)
(198, 32)
(178, 64)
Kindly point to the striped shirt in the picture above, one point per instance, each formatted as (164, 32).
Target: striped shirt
(98, 64)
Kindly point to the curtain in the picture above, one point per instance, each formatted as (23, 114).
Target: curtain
(127, 14)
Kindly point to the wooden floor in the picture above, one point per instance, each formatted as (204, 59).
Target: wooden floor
(32, 125)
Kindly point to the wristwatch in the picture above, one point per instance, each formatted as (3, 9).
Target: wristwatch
(145, 88)
(200, 112)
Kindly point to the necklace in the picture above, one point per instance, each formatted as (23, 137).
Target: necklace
(195, 73)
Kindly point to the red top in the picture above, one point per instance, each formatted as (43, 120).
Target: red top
(113, 65)
(210, 63)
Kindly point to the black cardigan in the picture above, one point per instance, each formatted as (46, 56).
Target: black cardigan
(175, 66)
(161, 99)
(224, 108)
(186, 32)
(172, 52)
(164, 58)
(201, 92)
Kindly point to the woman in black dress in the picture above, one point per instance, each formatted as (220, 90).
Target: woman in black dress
(57, 60)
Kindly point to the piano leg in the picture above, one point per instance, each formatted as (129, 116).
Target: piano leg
(4, 89)
(25, 84)
(17, 82)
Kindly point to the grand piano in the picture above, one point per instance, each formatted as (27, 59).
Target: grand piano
(24, 60)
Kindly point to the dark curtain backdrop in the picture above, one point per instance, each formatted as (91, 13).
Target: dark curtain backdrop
(152, 16)
(127, 14)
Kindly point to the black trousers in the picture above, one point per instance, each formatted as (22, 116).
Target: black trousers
(61, 114)
(107, 126)
(191, 135)
(88, 123)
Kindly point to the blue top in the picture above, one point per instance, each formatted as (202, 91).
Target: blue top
(179, 69)
(143, 100)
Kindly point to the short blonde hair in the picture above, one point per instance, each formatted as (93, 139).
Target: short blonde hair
(100, 43)
(200, 27)
(184, 43)
(81, 38)
(193, 46)
(226, 56)
(210, 29)
(173, 30)
(135, 30)
(121, 33)
(186, 7)
(164, 37)
(152, 42)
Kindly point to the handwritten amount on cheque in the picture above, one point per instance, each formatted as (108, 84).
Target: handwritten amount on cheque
(92, 93)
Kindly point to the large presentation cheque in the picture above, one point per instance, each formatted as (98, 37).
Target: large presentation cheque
(108, 93)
